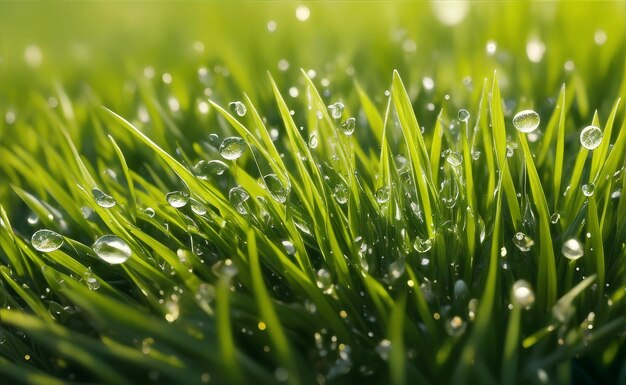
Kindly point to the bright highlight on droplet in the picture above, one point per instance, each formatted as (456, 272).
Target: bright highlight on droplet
(46, 240)
(526, 121)
(572, 249)
(112, 249)
(591, 137)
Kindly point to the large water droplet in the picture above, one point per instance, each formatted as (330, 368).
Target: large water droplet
(572, 249)
(523, 294)
(46, 240)
(237, 107)
(336, 110)
(383, 195)
(197, 207)
(177, 199)
(112, 249)
(341, 193)
(232, 147)
(422, 245)
(276, 188)
(204, 169)
(237, 197)
(526, 121)
(589, 189)
(102, 199)
(591, 137)
(348, 126)
(523, 241)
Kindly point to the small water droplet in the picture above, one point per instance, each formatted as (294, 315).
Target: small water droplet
(172, 309)
(58, 312)
(341, 193)
(238, 107)
(91, 281)
(383, 349)
(348, 126)
(46, 240)
(422, 245)
(455, 326)
(588, 189)
(237, 197)
(232, 148)
(449, 192)
(464, 115)
(197, 207)
(454, 158)
(396, 269)
(572, 249)
(523, 241)
(324, 281)
(149, 211)
(461, 291)
(591, 137)
(102, 199)
(177, 199)
(555, 218)
(276, 189)
(523, 294)
(112, 249)
(289, 248)
(313, 140)
(526, 121)
(383, 195)
(32, 219)
(336, 110)
(224, 269)
(204, 169)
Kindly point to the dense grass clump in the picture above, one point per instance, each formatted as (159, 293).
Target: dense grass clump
(270, 192)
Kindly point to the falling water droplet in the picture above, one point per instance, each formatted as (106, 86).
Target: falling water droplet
(46, 240)
(112, 249)
(383, 195)
(232, 148)
(589, 189)
(177, 199)
(463, 115)
(238, 107)
(204, 169)
(336, 110)
(591, 137)
(523, 294)
(523, 241)
(276, 189)
(572, 249)
(348, 126)
(422, 245)
(102, 199)
(526, 121)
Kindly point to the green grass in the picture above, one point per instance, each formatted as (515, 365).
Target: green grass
(384, 256)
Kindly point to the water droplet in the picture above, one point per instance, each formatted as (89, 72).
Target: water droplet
(428, 83)
(303, 13)
(238, 107)
(555, 218)
(276, 188)
(313, 140)
(336, 110)
(454, 158)
(197, 207)
(102, 199)
(224, 269)
(324, 281)
(232, 148)
(523, 294)
(46, 240)
(422, 245)
(572, 249)
(32, 219)
(172, 309)
(205, 294)
(149, 211)
(112, 249)
(289, 248)
(461, 291)
(449, 192)
(589, 189)
(526, 121)
(91, 281)
(396, 269)
(383, 349)
(348, 126)
(591, 137)
(341, 193)
(383, 195)
(204, 169)
(523, 241)
(177, 199)
(455, 326)
(237, 197)
(464, 115)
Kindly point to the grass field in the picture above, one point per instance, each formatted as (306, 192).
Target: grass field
(312, 193)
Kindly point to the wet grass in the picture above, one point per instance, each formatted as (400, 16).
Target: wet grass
(373, 217)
